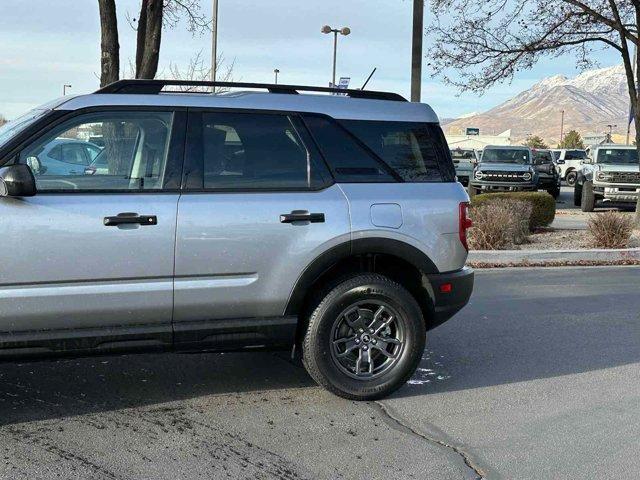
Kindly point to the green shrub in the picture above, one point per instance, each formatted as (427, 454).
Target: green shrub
(543, 205)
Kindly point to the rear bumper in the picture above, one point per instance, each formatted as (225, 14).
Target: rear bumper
(447, 304)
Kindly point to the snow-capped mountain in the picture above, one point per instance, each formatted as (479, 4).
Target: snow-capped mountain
(591, 101)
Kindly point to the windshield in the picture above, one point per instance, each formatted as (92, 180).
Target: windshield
(611, 155)
(575, 155)
(9, 130)
(459, 154)
(506, 155)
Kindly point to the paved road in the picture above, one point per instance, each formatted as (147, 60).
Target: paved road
(537, 378)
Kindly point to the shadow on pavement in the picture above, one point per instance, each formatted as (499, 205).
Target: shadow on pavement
(56, 389)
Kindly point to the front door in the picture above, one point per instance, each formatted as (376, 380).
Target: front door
(91, 255)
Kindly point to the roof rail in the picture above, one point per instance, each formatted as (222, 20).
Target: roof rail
(155, 86)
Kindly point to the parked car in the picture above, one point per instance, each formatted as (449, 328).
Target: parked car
(548, 174)
(464, 161)
(610, 176)
(236, 221)
(504, 168)
(63, 156)
(569, 162)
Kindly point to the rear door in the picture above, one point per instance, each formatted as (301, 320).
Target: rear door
(91, 254)
(258, 207)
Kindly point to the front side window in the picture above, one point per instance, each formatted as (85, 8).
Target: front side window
(132, 154)
(246, 151)
(506, 155)
(575, 155)
(618, 156)
(417, 152)
(541, 157)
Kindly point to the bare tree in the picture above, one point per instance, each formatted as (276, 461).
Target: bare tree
(154, 15)
(489, 42)
(110, 58)
(199, 70)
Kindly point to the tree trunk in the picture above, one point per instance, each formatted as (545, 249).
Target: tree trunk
(148, 48)
(110, 57)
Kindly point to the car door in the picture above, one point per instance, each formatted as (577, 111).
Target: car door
(258, 207)
(91, 256)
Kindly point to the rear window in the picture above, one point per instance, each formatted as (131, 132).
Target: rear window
(417, 152)
(575, 155)
(506, 155)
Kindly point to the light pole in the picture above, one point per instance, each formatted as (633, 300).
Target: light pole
(276, 71)
(342, 31)
(214, 42)
(416, 49)
(561, 125)
(64, 89)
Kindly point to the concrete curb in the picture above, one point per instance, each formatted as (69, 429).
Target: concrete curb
(553, 257)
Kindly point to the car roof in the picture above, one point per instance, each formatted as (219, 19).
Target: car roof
(336, 106)
(615, 146)
(506, 147)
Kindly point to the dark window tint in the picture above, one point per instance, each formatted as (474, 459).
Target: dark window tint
(417, 152)
(253, 151)
(575, 155)
(349, 161)
(541, 157)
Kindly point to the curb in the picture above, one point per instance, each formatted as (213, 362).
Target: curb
(519, 258)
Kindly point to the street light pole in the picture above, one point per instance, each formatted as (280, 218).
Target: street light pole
(416, 50)
(214, 42)
(64, 89)
(276, 71)
(342, 31)
(561, 126)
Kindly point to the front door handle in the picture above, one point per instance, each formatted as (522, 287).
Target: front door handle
(302, 216)
(130, 218)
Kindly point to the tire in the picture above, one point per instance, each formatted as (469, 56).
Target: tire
(588, 200)
(577, 195)
(341, 366)
(554, 192)
(571, 177)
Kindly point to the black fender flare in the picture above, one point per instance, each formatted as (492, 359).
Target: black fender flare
(329, 258)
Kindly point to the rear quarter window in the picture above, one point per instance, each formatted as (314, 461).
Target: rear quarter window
(416, 152)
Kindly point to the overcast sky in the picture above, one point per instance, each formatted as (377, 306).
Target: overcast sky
(47, 43)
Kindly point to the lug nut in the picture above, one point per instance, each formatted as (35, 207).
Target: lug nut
(373, 341)
(357, 341)
(371, 330)
(365, 348)
(361, 330)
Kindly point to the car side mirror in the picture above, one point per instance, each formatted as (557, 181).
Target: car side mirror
(17, 181)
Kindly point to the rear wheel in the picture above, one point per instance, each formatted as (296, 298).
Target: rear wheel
(571, 177)
(554, 192)
(365, 338)
(588, 201)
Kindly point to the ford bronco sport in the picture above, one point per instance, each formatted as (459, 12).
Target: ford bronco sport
(611, 176)
(331, 225)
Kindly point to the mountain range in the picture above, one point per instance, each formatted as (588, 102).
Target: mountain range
(591, 101)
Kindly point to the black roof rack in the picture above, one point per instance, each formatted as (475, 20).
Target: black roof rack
(156, 86)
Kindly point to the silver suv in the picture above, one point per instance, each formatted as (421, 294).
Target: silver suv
(328, 224)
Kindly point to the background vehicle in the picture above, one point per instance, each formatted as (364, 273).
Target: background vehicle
(504, 168)
(569, 162)
(548, 174)
(229, 221)
(63, 156)
(464, 161)
(610, 176)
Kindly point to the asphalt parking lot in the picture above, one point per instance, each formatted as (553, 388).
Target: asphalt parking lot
(537, 378)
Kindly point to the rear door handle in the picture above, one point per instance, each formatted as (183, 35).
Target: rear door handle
(130, 218)
(302, 216)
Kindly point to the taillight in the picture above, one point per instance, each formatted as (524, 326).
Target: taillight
(465, 223)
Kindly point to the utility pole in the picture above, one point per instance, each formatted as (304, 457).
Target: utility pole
(214, 42)
(64, 89)
(561, 126)
(416, 50)
(276, 71)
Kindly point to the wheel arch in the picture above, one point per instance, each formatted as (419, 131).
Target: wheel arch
(398, 260)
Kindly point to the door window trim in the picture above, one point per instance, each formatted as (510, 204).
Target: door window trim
(175, 151)
(193, 174)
